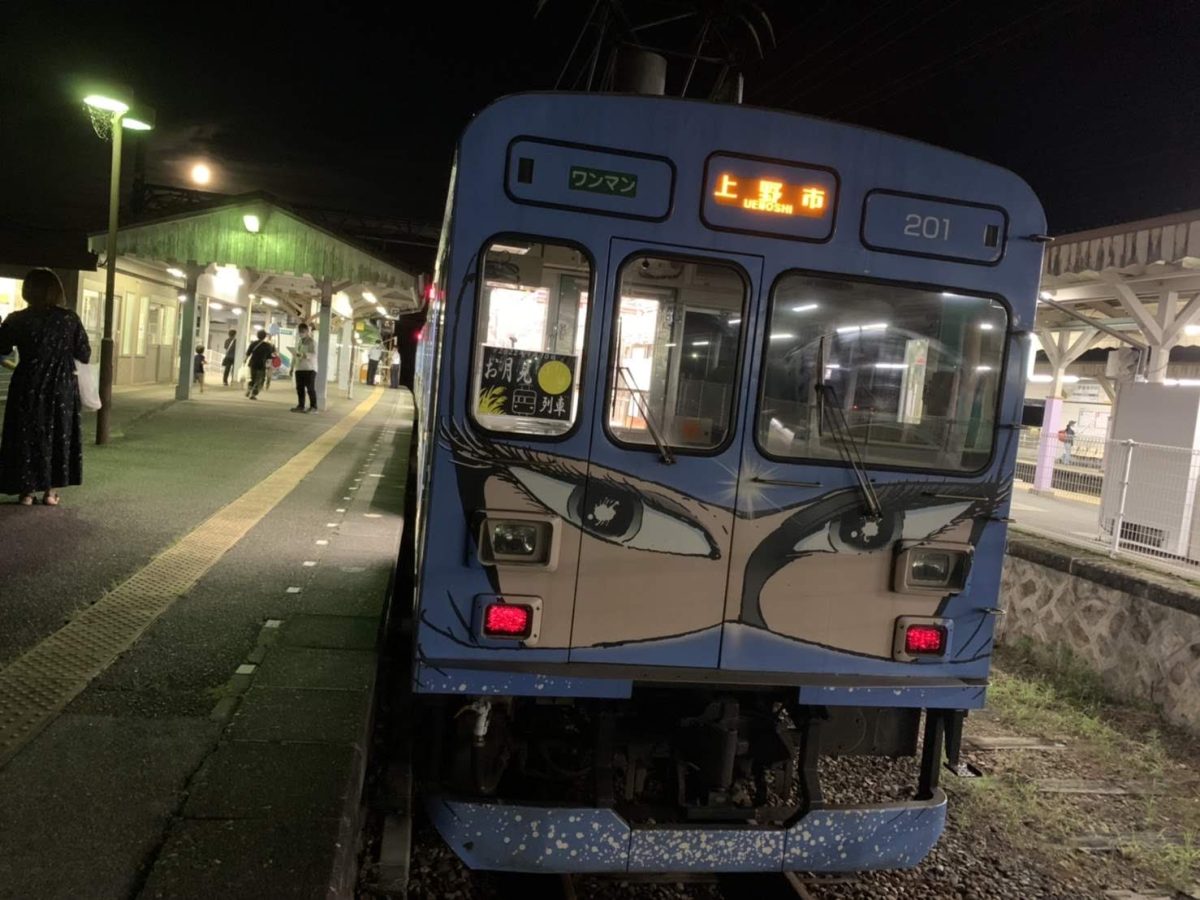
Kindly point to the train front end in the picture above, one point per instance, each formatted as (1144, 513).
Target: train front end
(719, 413)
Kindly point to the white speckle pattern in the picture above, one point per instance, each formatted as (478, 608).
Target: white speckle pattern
(839, 839)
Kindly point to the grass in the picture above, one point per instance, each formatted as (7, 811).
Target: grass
(1050, 692)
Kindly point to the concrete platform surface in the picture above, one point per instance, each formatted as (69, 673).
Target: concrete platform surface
(222, 754)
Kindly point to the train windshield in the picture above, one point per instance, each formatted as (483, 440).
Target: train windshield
(914, 373)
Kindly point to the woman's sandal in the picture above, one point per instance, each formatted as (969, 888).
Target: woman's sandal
(51, 498)
(26, 500)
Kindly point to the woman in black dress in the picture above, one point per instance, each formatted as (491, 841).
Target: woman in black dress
(41, 448)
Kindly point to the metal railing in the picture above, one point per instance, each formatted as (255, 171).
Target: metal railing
(1120, 497)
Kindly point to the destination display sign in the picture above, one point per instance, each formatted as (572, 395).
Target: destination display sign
(525, 383)
(768, 197)
(918, 225)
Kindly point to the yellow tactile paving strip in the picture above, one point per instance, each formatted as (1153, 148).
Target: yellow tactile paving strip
(37, 685)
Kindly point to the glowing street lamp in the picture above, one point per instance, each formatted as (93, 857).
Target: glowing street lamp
(110, 117)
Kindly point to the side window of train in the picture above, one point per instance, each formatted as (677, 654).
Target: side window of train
(677, 335)
(910, 376)
(529, 335)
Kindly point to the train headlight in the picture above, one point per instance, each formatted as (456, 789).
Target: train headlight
(518, 539)
(932, 568)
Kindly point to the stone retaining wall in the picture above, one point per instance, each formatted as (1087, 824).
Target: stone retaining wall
(1138, 629)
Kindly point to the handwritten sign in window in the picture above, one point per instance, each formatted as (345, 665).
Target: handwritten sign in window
(525, 383)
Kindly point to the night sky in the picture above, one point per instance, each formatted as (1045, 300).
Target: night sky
(350, 106)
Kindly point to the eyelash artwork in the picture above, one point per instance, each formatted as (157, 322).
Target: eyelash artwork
(608, 506)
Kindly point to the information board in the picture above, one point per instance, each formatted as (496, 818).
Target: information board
(757, 196)
(896, 222)
(525, 383)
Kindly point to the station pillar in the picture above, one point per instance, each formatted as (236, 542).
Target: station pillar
(323, 340)
(187, 330)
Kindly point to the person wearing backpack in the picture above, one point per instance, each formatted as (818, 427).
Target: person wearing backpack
(1066, 437)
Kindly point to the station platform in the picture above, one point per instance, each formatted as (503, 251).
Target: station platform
(188, 649)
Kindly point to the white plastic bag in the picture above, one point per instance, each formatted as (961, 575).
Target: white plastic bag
(89, 385)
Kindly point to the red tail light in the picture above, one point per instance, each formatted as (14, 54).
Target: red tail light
(511, 620)
(925, 640)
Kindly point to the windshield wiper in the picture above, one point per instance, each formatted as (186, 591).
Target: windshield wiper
(828, 400)
(663, 450)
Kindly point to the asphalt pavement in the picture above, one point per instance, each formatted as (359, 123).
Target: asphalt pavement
(221, 753)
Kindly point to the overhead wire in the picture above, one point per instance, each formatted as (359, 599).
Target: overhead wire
(960, 55)
(836, 73)
(764, 86)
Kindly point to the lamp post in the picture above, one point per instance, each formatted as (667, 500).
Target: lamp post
(111, 115)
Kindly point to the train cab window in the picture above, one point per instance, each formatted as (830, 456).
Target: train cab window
(677, 334)
(909, 377)
(529, 337)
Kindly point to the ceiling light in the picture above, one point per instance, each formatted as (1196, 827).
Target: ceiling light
(237, 310)
(369, 297)
(175, 273)
(986, 326)
(700, 343)
(734, 322)
(183, 296)
(251, 223)
(983, 368)
(515, 249)
(785, 336)
(213, 304)
(108, 104)
(381, 310)
(804, 307)
(270, 302)
(891, 365)
(1045, 295)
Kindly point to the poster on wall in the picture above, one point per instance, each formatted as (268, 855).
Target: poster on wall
(525, 383)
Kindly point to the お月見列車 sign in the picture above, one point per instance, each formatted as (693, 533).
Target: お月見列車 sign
(525, 383)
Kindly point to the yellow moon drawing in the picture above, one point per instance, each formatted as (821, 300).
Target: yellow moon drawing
(554, 377)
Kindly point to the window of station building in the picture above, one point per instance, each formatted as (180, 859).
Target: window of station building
(529, 336)
(678, 333)
(10, 297)
(143, 323)
(91, 311)
(909, 377)
(129, 320)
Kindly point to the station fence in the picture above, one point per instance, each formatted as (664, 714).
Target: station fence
(1140, 499)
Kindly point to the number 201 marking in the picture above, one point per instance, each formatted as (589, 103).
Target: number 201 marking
(931, 228)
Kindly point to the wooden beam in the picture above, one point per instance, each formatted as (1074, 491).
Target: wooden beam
(1183, 319)
(1137, 309)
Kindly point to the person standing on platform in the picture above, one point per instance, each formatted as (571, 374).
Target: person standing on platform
(373, 356)
(394, 366)
(198, 368)
(230, 356)
(1066, 437)
(41, 446)
(258, 357)
(304, 367)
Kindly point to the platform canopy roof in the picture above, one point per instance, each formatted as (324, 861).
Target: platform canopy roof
(287, 257)
(1116, 274)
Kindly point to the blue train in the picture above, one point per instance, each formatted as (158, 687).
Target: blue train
(718, 413)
